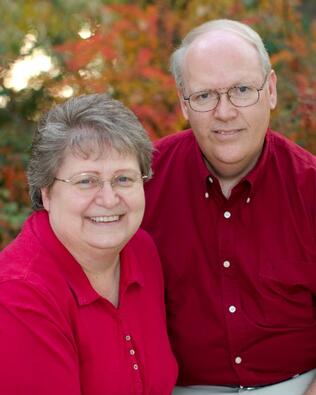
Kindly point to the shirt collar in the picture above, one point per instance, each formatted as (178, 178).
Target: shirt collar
(71, 269)
(131, 273)
(252, 178)
(255, 175)
(202, 170)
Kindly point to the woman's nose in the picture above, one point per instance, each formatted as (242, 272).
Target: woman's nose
(107, 195)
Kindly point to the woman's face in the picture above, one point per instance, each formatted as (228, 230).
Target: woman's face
(99, 219)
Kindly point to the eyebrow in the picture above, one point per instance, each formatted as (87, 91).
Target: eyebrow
(240, 83)
(98, 173)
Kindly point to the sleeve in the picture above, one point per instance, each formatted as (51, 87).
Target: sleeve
(38, 355)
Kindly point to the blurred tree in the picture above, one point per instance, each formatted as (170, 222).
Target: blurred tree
(123, 47)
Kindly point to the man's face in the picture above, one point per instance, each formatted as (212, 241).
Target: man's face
(231, 138)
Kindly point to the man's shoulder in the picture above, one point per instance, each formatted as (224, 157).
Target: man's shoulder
(181, 140)
(284, 148)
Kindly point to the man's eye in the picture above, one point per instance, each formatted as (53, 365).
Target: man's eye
(241, 90)
(203, 96)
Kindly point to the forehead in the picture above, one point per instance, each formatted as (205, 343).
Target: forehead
(220, 58)
(105, 159)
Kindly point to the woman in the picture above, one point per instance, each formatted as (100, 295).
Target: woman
(81, 295)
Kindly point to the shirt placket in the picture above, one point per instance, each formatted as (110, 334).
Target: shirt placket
(228, 225)
(134, 360)
(133, 356)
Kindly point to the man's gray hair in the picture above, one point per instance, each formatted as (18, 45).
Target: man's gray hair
(228, 25)
(84, 125)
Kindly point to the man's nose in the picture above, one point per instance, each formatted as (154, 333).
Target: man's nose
(225, 110)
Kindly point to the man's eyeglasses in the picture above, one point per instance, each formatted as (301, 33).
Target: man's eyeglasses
(92, 182)
(239, 96)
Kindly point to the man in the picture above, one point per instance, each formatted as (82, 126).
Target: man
(232, 209)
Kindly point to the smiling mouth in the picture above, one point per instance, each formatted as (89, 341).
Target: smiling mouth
(227, 132)
(105, 219)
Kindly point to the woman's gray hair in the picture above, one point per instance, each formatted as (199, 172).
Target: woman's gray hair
(228, 25)
(84, 125)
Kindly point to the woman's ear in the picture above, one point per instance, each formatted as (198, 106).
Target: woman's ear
(45, 198)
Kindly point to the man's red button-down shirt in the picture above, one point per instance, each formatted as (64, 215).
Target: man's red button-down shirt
(240, 273)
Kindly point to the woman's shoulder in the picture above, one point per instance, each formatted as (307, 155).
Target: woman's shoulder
(142, 240)
(26, 266)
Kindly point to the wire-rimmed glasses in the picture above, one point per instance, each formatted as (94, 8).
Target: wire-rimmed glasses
(239, 96)
(92, 182)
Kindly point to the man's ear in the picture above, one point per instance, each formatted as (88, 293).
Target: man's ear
(184, 105)
(272, 86)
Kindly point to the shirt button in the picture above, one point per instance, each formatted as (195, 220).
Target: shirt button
(248, 200)
(207, 195)
(232, 309)
(135, 366)
(238, 360)
(226, 264)
(128, 338)
(227, 214)
(132, 352)
(210, 180)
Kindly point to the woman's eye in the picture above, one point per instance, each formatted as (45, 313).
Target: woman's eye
(124, 179)
(87, 182)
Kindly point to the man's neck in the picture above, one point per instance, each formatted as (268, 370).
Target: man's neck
(227, 186)
(229, 175)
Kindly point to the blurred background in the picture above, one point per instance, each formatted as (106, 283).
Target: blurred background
(52, 50)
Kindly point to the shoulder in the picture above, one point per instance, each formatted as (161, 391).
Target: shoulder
(293, 166)
(171, 153)
(33, 303)
(284, 149)
(142, 243)
(17, 259)
(25, 266)
(142, 252)
(181, 137)
(180, 142)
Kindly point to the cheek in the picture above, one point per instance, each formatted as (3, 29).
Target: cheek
(68, 205)
(256, 118)
(138, 203)
(141, 201)
(201, 124)
(262, 120)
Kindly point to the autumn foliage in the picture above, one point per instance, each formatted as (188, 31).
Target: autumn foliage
(127, 55)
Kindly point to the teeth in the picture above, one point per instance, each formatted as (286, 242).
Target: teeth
(226, 131)
(109, 218)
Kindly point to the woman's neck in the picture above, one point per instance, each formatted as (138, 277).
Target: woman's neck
(103, 273)
(106, 282)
